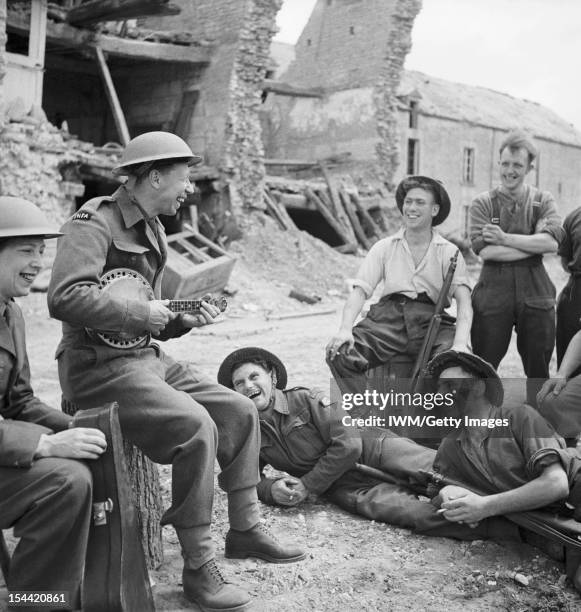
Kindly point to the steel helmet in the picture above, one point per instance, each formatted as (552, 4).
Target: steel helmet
(154, 146)
(19, 217)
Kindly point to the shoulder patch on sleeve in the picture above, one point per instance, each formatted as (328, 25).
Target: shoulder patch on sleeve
(82, 215)
(322, 398)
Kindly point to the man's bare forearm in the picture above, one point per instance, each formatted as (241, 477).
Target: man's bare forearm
(549, 487)
(352, 308)
(463, 317)
(494, 252)
(534, 244)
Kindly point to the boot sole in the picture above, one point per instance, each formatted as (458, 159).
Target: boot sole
(264, 557)
(239, 608)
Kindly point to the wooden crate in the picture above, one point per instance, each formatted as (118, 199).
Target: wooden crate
(195, 266)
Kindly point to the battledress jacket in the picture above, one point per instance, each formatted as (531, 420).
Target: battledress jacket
(106, 233)
(23, 417)
(306, 438)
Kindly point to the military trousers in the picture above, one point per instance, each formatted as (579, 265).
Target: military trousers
(395, 325)
(517, 295)
(176, 416)
(49, 506)
(401, 502)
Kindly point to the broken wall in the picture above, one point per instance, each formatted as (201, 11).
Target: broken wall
(359, 112)
(341, 46)
(243, 158)
(225, 125)
(399, 44)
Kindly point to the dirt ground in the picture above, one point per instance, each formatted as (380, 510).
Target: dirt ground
(353, 563)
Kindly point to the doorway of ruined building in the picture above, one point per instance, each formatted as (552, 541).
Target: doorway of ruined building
(314, 223)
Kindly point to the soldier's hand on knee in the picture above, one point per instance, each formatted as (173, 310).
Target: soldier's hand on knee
(76, 443)
(159, 316)
(343, 341)
(553, 385)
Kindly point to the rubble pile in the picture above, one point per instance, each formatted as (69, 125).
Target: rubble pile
(271, 263)
(34, 156)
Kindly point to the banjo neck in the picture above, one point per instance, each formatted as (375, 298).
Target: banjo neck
(195, 306)
(185, 305)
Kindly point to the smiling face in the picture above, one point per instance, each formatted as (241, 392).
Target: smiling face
(20, 263)
(173, 187)
(419, 208)
(253, 381)
(514, 166)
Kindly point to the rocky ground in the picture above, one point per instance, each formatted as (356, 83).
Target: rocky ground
(352, 564)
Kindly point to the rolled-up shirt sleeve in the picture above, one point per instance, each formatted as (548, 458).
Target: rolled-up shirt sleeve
(550, 220)
(371, 272)
(480, 215)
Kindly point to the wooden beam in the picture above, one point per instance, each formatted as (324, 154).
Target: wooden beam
(284, 89)
(154, 51)
(118, 115)
(117, 10)
(64, 35)
(290, 162)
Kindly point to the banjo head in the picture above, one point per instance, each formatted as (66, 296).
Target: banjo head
(126, 283)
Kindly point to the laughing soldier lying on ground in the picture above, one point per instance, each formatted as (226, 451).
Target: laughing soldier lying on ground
(302, 434)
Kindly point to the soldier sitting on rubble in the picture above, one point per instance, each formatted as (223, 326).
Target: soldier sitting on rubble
(412, 265)
(302, 434)
(45, 491)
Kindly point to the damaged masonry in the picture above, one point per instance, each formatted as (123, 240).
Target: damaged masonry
(302, 148)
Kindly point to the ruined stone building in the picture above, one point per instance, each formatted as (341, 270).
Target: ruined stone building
(205, 70)
(195, 68)
(447, 130)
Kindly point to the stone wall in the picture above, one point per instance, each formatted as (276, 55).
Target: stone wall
(243, 158)
(31, 155)
(225, 126)
(398, 46)
(342, 44)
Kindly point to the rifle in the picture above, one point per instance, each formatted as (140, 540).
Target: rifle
(423, 357)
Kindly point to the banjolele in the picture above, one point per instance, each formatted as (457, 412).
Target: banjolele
(116, 578)
(126, 284)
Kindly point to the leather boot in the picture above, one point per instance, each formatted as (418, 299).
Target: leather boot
(259, 542)
(207, 588)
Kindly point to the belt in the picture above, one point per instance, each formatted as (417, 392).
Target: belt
(529, 262)
(423, 298)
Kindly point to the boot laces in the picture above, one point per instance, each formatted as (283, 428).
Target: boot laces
(215, 572)
(267, 531)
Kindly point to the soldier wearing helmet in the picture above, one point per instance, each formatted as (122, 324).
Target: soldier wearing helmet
(168, 409)
(45, 493)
